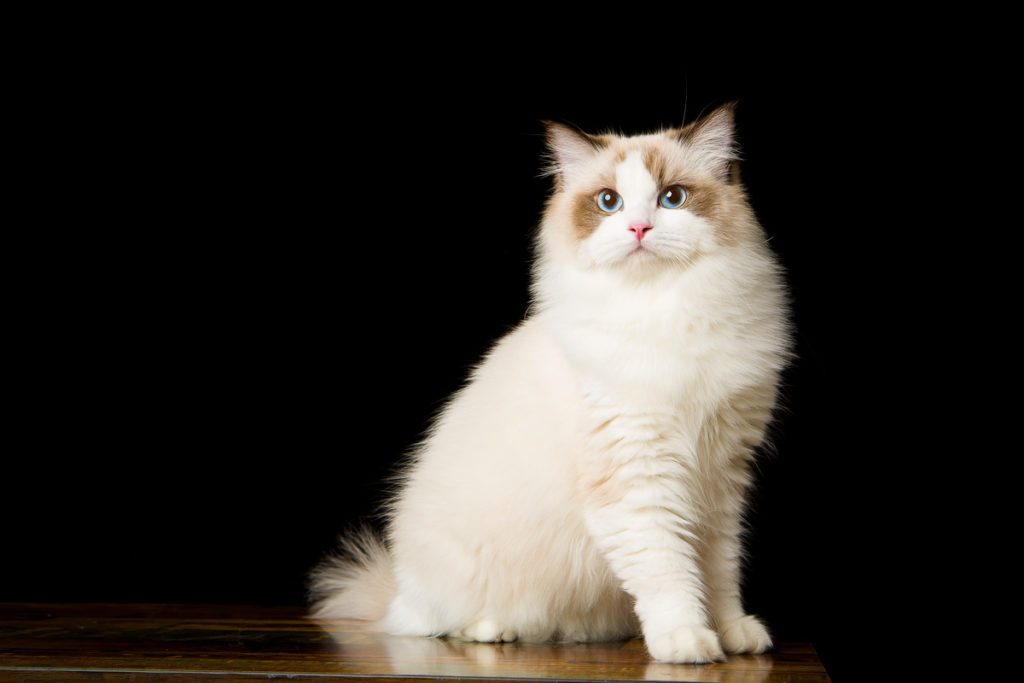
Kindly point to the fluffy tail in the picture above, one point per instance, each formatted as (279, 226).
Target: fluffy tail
(357, 583)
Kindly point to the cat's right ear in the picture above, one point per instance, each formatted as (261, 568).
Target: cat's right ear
(570, 151)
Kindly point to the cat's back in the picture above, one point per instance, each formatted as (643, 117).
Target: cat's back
(518, 409)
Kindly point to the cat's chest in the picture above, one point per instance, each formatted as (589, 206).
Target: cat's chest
(658, 350)
(698, 334)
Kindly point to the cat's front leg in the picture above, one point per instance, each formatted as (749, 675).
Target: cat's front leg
(646, 533)
(740, 632)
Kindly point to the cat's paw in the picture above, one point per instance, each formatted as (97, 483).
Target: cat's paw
(686, 645)
(486, 631)
(745, 635)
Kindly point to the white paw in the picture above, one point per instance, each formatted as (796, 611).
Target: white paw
(686, 645)
(745, 635)
(486, 631)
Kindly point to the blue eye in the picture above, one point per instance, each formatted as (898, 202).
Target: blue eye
(672, 197)
(609, 201)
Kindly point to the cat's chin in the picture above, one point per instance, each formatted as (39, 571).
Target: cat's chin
(645, 260)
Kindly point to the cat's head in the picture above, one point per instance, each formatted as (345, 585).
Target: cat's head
(648, 202)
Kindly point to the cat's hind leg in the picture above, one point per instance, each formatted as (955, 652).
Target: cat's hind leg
(486, 630)
(407, 618)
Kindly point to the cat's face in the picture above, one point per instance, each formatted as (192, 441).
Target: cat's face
(646, 202)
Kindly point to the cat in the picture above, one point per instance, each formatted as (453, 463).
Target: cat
(588, 482)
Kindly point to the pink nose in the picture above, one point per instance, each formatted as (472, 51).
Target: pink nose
(639, 229)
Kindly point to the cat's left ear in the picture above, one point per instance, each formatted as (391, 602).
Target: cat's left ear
(571, 150)
(713, 139)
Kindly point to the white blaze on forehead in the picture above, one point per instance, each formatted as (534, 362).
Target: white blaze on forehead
(634, 182)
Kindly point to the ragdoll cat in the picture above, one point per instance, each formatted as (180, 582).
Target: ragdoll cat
(588, 482)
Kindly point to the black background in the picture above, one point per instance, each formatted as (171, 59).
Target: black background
(258, 257)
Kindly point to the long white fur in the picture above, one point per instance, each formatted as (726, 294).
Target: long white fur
(588, 481)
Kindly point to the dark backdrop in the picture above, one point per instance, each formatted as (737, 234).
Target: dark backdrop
(256, 268)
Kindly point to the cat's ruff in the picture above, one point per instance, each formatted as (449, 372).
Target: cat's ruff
(588, 481)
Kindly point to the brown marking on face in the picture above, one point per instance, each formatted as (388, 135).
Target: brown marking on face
(586, 214)
(725, 207)
(703, 199)
(721, 202)
(656, 162)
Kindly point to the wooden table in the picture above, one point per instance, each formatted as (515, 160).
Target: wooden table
(153, 643)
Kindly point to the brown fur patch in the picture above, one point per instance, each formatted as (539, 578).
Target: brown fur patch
(721, 203)
(656, 161)
(725, 207)
(586, 214)
(703, 199)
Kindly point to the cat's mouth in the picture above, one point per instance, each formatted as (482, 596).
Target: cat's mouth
(653, 255)
(641, 250)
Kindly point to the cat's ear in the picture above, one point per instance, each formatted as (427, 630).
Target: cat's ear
(713, 140)
(570, 150)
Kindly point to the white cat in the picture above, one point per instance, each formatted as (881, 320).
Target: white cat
(588, 482)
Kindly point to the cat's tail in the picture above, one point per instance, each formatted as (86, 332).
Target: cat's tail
(356, 583)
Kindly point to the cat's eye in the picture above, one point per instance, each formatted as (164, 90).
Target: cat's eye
(672, 197)
(609, 201)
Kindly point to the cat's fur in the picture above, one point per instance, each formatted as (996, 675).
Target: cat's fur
(589, 480)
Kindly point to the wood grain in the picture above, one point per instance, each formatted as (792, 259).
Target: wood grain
(121, 642)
